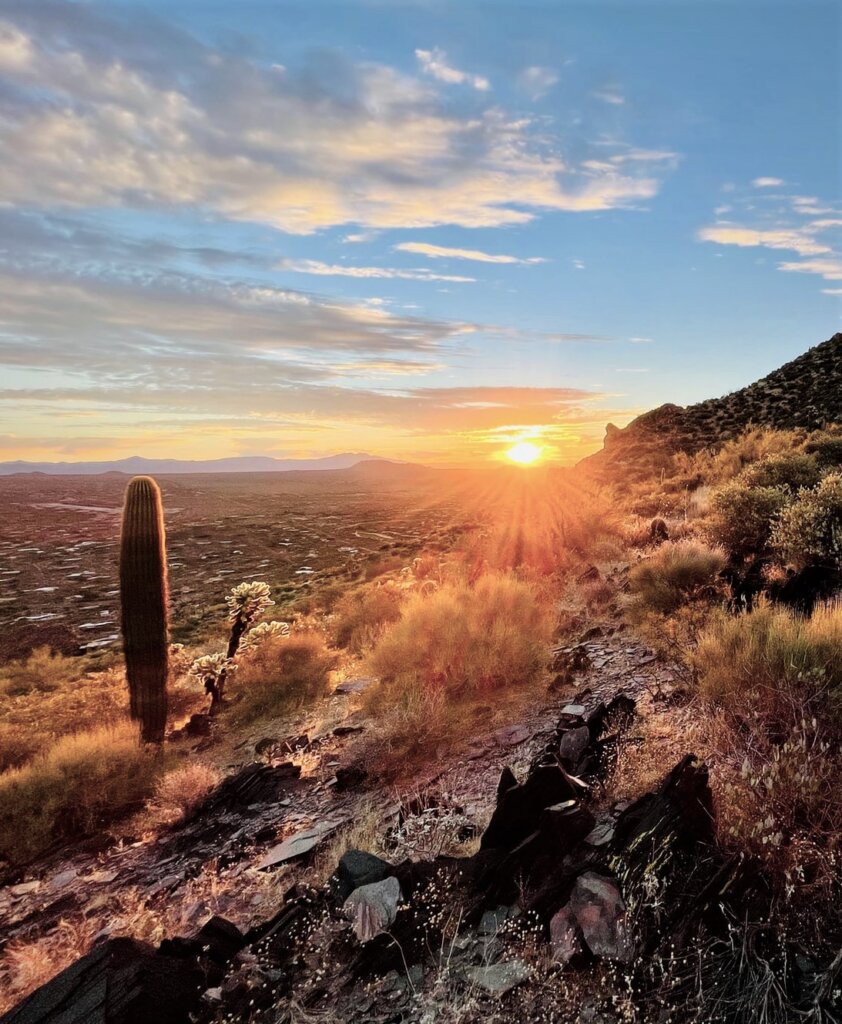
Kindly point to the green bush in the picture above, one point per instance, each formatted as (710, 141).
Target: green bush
(462, 638)
(744, 516)
(827, 449)
(73, 788)
(281, 673)
(809, 531)
(677, 573)
(793, 470)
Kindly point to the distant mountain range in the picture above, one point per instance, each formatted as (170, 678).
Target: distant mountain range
(805, 393)
(135, 465)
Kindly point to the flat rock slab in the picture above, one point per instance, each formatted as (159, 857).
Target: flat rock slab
(498, 979)
(298, 845)
(355, 685)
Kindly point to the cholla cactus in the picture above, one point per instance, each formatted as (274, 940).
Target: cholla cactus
(261, 632)
(247, 601)
(209, 669)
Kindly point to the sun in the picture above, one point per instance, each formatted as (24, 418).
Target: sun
(524, 453)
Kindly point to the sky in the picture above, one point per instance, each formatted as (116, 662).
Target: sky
(425, 230)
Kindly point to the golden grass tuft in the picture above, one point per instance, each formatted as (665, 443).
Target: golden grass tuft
(675, 573)
(72, 788)
(183, 789)
(281, 674)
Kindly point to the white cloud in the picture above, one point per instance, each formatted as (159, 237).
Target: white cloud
(830, 270)
(339, 270)
(98, 112)
(434, 63)
(578, 264)
(446, 252)
(767, 182)
(536, 81)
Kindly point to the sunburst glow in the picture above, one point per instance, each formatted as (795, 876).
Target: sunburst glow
(524, 453)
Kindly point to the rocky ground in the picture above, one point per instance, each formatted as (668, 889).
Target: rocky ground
(291, 798)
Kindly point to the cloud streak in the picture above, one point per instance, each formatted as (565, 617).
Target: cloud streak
(447, 252)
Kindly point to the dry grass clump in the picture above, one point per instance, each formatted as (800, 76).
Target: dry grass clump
(43, 670)
(281, 674)
(183, 789)
(465, 638)
(16, 747)
(77, 785)
(676, 573)
(361, 615)
(772, 660)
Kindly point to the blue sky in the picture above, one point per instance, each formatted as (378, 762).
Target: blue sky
(427, 229)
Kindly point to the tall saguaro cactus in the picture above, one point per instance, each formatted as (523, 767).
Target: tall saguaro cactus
(143, 600)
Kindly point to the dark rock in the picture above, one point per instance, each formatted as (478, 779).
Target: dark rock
(590, 575)
(519, 807)
(257, 783)
(566, 824)
(498, 979)
(574, 743)
(599, 910)
(120, 981)
(218, 940)
(350, 778)
(658, 530)
(356, 868)
(347, 730)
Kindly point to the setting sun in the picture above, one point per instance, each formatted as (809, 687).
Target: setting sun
(524, 453)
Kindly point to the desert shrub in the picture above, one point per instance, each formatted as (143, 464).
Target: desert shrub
(792, 470)
(465, 638)
(17, 746)
(43, 670)
(755, 444)
(72, 788)
(827, 448)
(182, 790)
(362, 614)
(677, 572)
(744, 516)
(772, 660)
(809, 531)
(283, 673)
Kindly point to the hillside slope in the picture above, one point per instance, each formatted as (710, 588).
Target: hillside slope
(806, 392)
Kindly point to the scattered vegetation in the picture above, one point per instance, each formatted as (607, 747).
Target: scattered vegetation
(43, 671)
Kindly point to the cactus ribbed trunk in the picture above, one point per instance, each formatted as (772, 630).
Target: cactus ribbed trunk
(143, 599)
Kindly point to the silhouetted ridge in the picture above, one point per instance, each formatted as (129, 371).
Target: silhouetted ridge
(806, 393)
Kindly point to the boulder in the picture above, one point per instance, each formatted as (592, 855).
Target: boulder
(565, 936)
(357, 868)
(598, 908)
(373, 908)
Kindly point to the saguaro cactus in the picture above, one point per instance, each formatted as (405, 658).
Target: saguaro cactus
(143, 599)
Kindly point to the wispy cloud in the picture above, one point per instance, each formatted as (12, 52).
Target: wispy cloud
(434, 63)
(341, 270)
(803, 225)
(536, 81)
(447, 252)
(611, 96)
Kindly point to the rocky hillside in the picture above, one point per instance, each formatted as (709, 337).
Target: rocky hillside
(806, 392)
